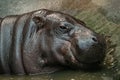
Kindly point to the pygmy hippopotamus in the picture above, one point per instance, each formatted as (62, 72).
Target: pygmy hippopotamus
(45, 41)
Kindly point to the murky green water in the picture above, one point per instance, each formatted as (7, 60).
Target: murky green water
(102, 18)
(63, 75)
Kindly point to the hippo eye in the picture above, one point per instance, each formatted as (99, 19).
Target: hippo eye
(64, 27)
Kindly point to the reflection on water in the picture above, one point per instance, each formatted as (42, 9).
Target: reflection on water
(85, 10)
(63, 75)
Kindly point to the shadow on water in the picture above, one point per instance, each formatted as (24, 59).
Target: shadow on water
(63, 75)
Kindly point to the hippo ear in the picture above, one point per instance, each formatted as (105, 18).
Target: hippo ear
(39, 21)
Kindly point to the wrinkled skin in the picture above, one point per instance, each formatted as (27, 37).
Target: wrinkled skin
(45, 41)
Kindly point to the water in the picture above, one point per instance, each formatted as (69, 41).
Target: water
(63, 75)
(99, 17)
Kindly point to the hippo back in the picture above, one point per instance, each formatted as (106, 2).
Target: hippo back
(11, 41)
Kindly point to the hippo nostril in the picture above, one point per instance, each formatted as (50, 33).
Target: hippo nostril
(94, 39)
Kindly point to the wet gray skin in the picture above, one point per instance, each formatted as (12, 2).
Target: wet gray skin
(50, 39)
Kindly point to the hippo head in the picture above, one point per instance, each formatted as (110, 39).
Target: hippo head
(66, 41)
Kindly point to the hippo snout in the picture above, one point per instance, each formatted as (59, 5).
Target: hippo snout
(91, 48)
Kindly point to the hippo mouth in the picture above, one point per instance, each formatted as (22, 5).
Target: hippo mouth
(88, 66)
(82, 65)
(89, 60)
